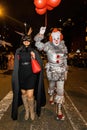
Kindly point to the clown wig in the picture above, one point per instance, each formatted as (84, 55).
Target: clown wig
(55, 30)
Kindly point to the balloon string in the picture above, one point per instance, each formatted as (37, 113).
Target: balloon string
(46, 19)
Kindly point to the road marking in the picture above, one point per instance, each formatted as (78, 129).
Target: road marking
(76, 119)
(5, 103)
(83, 89)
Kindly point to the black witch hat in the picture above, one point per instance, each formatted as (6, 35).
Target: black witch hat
(26, 36)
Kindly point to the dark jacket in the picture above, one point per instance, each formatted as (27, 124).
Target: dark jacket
(39, 91)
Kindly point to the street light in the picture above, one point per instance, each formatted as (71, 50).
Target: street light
(1, 11)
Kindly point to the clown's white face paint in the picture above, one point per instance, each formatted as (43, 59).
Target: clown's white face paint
(56, 38)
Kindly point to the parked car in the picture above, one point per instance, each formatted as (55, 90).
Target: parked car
(77, 59)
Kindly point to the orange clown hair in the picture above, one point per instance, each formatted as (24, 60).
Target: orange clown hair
(55, 30)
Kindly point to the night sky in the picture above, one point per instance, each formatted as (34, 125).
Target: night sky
(19, 11)
(24, 10)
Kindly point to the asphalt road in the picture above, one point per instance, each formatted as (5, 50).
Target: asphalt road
(75, 107)
(76, 88)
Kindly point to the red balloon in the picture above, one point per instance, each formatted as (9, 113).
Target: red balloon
(41, 11)
(40, 3)
(49, 7)
(53, 3)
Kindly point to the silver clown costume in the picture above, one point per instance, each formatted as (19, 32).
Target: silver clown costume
(56, 67)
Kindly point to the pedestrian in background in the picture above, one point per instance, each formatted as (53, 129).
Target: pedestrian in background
(10, 64)
(28, 87)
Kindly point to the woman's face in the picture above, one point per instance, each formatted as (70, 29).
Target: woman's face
(26, 43)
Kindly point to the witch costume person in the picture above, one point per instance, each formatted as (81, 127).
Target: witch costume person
(28, 87)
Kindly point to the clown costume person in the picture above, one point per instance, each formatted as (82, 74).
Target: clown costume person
(56, 67)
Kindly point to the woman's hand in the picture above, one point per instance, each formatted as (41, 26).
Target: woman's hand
(32, 55)
(66, 75)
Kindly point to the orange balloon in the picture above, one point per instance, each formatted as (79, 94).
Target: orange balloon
(41, 11)
(53, 3)
(49, 7)
(40, 3)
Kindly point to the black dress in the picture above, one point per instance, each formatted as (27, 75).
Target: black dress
(27, 78)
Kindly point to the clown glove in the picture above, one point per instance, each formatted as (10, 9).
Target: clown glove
(42, 30)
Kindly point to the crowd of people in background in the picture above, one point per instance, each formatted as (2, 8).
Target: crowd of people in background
(7, 61)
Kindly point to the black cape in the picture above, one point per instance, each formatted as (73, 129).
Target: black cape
(39, 91)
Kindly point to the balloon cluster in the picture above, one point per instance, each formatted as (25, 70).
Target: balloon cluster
(43, 5)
